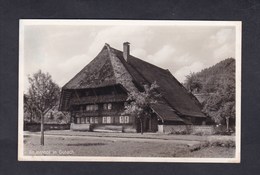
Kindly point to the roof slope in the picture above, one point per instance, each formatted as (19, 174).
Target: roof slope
(104, 70)
(109, 68)
(97, 73)
(172, 90)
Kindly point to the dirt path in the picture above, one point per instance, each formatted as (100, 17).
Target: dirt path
(161, 136)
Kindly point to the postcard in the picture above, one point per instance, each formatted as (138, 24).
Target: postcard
(129, 91)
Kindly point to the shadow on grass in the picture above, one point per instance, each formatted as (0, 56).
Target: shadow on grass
(87, 144)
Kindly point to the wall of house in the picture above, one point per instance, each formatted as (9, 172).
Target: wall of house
(187, 129)
(105, 120)
(80, 127)
(101, 113)
(100, 109)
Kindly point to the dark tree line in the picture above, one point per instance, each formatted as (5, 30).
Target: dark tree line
(218, 85)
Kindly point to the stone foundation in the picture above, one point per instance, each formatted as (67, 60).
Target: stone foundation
(80, 127)
(102, 128)
(187, 129)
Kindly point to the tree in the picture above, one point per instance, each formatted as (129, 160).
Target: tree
(218, 85)
(193, 83)
(43, 95)
(139, 103)
(30, 113)
(221, 105)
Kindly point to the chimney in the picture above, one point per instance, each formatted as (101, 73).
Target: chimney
(126, 50)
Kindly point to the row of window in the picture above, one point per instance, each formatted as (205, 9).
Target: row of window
(122, 119)
(106, 106)
(105, 120)
(87, 120)
(91, 107)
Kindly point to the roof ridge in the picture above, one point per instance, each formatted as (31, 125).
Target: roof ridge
(149, 63)
(110, 56)
(138, 59)
(107, 46)
(114, 60)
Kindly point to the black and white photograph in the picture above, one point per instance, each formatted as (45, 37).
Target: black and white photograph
(129, 91)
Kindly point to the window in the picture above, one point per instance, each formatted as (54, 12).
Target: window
(106, 120)
(87, 119)
(109, 120)
(93, 119)
(107, 106)
(78, 120)
(127, 119)
(96, 120)
(82, 120)
(92, 107)
(124, 119)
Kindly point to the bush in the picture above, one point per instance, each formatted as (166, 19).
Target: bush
(223, 143)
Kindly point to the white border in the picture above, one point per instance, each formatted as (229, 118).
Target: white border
(236, 24)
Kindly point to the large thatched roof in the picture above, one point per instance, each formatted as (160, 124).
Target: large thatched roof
(109, 68)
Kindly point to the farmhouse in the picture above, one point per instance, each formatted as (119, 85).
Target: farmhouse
(96, 96)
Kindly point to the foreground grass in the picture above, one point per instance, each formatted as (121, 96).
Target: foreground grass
(92, 147)
(211, 152)
(73, 146)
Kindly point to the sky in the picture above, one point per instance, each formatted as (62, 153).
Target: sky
(63, 50)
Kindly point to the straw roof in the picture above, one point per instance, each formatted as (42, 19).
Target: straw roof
(110, 68)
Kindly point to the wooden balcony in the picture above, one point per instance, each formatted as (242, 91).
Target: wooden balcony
(98, 99)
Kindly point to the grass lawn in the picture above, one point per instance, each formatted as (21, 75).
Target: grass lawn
(87, 146)
(212, 151)
(67, 146)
